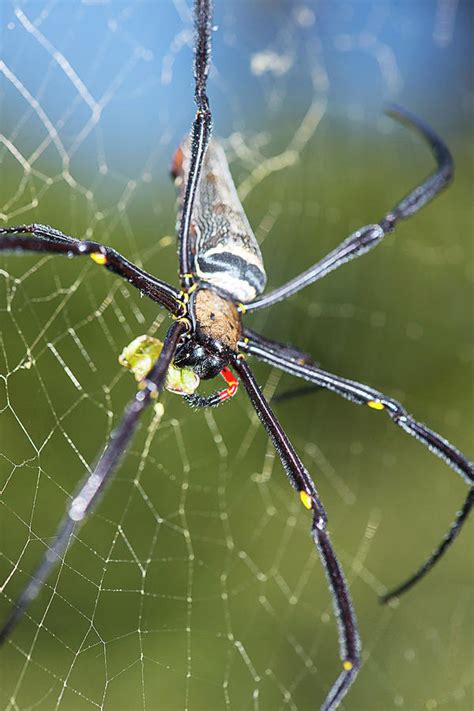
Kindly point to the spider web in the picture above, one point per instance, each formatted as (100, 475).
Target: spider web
(195, 584)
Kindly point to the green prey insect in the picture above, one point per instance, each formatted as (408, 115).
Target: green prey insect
(139, 357)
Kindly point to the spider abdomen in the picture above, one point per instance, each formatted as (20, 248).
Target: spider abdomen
(226, 251)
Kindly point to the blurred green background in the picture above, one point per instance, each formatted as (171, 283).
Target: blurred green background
(195, 585)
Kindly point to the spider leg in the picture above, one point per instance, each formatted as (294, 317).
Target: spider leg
(216, 398)
(349, 641)
(200, 135)
(367, 237)
(46, 239)
(447, 541)
(92, 486)
(301, 357)
(269, 351)
(295, 393)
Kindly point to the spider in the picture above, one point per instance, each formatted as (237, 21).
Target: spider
(222, 277)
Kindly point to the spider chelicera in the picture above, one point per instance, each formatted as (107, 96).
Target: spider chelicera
(221, 277)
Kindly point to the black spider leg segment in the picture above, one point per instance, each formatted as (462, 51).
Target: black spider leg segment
(447, 541)
(349, 640)
(201, 401)
(217, 398)
(295, 353)
(47, 240)
(296, 393)
(200, 135)
(270, 352)
(367, 237)
(92, 486)
(297, 474)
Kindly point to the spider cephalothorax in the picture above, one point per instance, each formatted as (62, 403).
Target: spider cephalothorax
(221, 276)
(216, 329)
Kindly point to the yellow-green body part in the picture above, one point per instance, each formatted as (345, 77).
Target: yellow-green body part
(139, 357)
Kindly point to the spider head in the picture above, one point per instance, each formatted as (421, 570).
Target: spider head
(205, 355)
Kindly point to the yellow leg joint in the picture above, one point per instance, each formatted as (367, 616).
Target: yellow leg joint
(186, 321)
(306, 500)
(183, 299)
(348, 665)
(98, 258)
(376, 405)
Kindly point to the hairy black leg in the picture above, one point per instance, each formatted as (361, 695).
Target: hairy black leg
(200, 135)
(300, 479)
(216, 398)
(364, 395)
(447, 541)
(367, 237)
(47, 240)
(295, 393)
(295, 354)
(94, 483)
